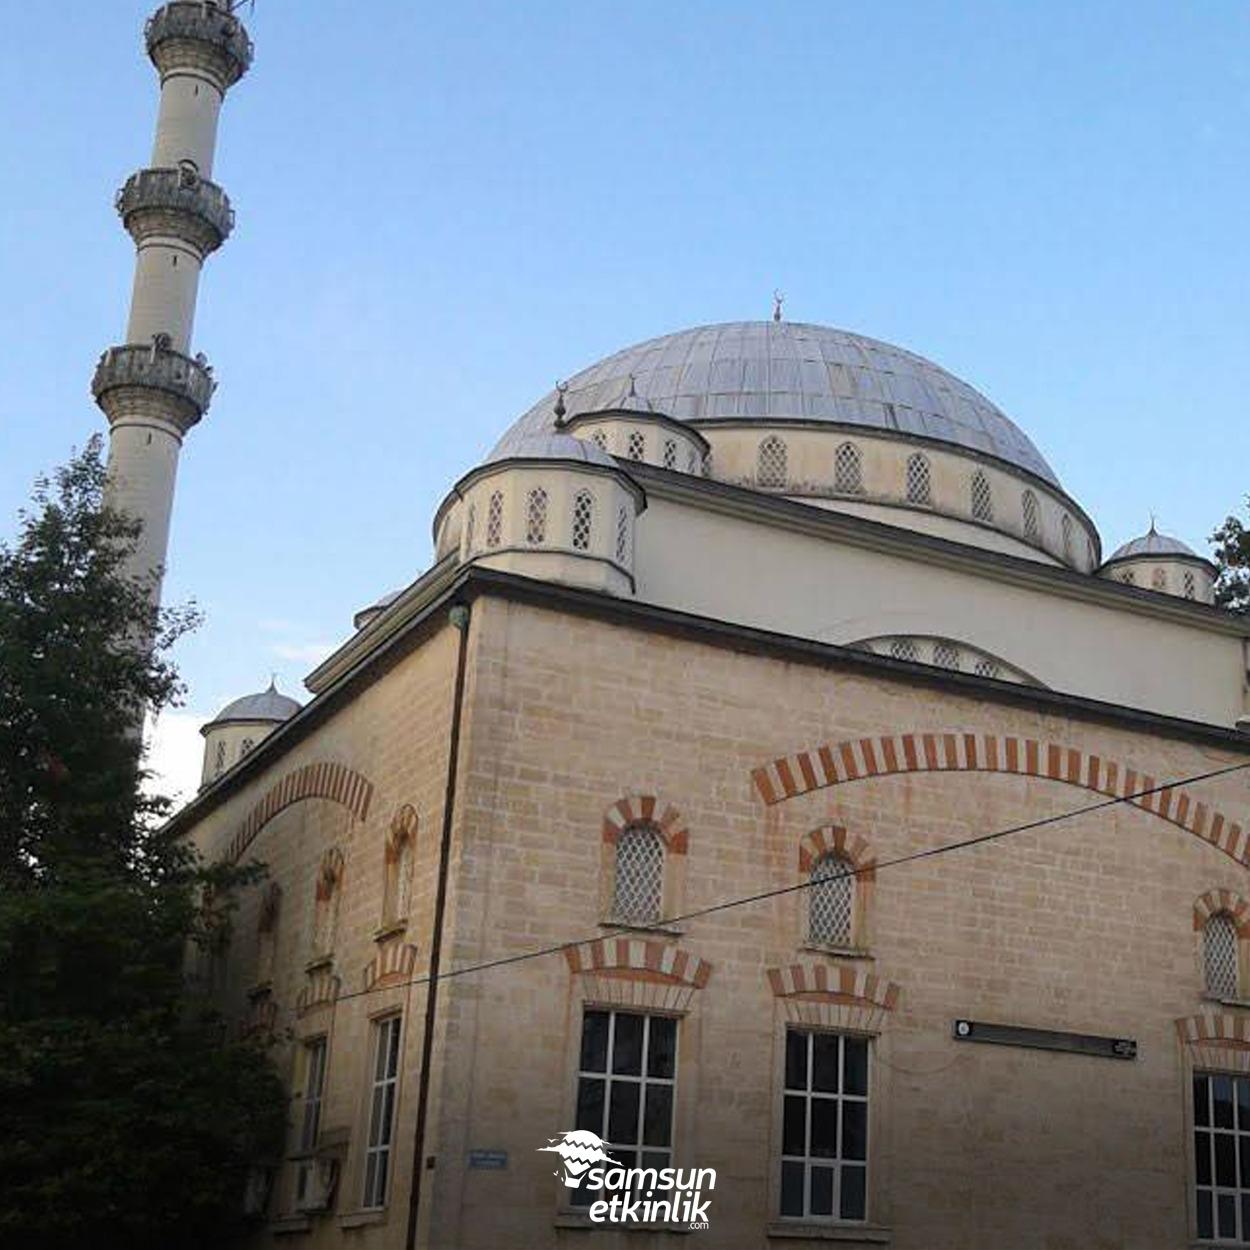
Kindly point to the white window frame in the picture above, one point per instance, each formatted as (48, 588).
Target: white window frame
(1213, 1168)
(314, 1054)
(385, 1056)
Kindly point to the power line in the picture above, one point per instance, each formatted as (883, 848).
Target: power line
(745, 900)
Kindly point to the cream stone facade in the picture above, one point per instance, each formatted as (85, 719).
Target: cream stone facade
(770, 776)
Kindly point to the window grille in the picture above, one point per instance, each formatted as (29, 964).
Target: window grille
(848, 470)
(824, 1137)
(1128, 577)
(245, 746)
(469, 524)
(1219, 958)
(494, 519)
(770, 462)
(636, 447)
(982, 498)
(219, 758)
(904, 649)
(381, 1111)
(830, 898)
(600, 440)
(985, 667)
(1159, 580)
(670, 453)
(919, 480)
(1028, 506)
(536, 517)
(622, 536)
(1189, 584)
(639, 883)
(626, 1080)
(1065, 532)
(583, 519)
(946, 655)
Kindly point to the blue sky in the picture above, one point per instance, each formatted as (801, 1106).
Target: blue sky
(442, 209)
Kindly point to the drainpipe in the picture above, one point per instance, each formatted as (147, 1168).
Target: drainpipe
(459, 618)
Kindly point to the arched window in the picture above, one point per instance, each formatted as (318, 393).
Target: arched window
(536, 517)
(985, 667)
(622, 536)
(267, 930)
(1028, 506)
(919, 479)
(848, 469)
(946, 655)
(639, 880)
(1065, 533)
(400, 852)
(494, 519)
(326, 909)
(982, 497)
(1159, 580)
(219, 759)
(583, 520)
(770, 462)
(904, 649)
(600, 440)
(830, 901)
(1189, 584)
(245, 746)
(469, 525)
(1128, 577)
(670, 453)
(1220, 956)
(636, 447)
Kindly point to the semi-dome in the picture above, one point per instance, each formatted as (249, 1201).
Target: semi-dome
(265, 705)
(789, 371)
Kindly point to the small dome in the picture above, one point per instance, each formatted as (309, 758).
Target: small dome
(1153, 543)
(548, 445)
(267, 705)
(366, 614)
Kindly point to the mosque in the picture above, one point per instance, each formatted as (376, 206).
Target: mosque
(771, 774)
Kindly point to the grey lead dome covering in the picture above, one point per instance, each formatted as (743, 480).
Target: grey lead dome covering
(1153, 544)
(791, 371)
(549, 445)
(266, 705)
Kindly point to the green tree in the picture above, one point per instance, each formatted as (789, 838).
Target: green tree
(130, 1114)
(1232, 555)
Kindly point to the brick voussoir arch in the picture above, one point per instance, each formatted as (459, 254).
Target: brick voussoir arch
(814, 980)
(324, 780)
(856, 758)
(834, 839)
(638, 972)
(647, 808)
(1213, 902)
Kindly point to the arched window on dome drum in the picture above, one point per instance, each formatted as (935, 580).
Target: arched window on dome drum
(245, 746)
(771, 467)
(636, 447)
(469, 526)
(583, 520)
(904, 649)
(1159, 580)
(638, 886)
(622, 536)
(494, 519)
(946, 655)
(1189, 584)
(848, 470)
(985, 667)
(1128, 577)
(919, 479)
(600, 440)
(1220, 956)
(219, 759)
(1028, 507)
(670, 453)
(536, 517)
(1065, 531)
(982, 497)
(831, 901)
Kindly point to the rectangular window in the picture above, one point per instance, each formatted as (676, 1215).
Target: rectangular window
(1222, 1156)
(381, 1111)
(625, 1088)
(824, 1138)
(314, 1060)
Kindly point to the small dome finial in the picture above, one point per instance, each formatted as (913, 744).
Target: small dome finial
(560, 409)
(633, 391)
(1153, 528)
(778, 299)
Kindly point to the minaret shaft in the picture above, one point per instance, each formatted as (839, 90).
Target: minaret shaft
(150, 388)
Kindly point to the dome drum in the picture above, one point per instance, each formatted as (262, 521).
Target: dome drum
(648, 438)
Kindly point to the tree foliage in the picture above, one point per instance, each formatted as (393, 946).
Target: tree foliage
(1232, 555)
(130, 1114)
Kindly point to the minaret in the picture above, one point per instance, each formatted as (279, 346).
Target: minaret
(151, 389)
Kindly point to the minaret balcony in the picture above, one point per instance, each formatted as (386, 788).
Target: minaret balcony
(175, 202)
(199, 34)
(153, 382)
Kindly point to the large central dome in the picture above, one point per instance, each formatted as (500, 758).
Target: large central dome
(777, 371)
